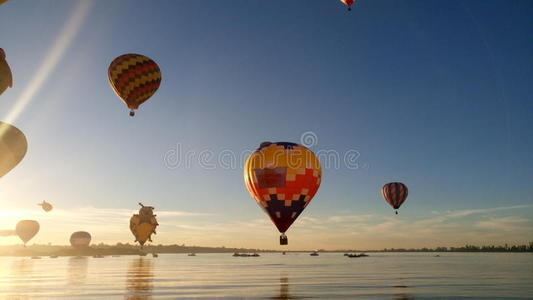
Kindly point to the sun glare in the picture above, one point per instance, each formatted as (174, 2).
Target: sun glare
(65, 38)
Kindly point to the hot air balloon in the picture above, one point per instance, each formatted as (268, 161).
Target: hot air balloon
(46, 206)
(348, 3)
(134, 78)
(395, 194)
(26, 230)
(6, 78)
(13, 147)
(2, 2)
(283, 178)
(80, 239)
(143, 224)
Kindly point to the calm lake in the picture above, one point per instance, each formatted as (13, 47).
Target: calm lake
(272, 276)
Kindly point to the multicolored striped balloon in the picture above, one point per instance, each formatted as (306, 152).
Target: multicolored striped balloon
(134, 78)
(395, 194)
(283, 178)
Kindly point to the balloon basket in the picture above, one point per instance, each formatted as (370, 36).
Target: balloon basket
(132, 113)
(283, 240)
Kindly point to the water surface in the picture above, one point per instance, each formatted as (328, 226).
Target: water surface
(272, 276)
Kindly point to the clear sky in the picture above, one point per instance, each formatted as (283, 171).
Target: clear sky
(436, 94)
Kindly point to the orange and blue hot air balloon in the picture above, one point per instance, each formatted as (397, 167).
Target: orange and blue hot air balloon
(134, 78)
(283, 178)
(348, 3)
(395, 194)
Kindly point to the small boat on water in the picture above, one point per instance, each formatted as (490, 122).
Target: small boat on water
(191, 254)
(98, 256)
(314, 253)
(355, 255)
(246, 254)
(155, 255)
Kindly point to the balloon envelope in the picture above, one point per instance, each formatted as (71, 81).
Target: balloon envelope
(283, 178)
(394, 193)
(27, 229)
(348, 2)
(80, 239)
(46, 206)
(6, 78)
(134, 78)
(143, 224)
(143, 232)
(13, 147)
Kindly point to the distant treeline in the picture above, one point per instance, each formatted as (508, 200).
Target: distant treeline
(175, 248)
(469, 248)
(134, 249)
(117, 249)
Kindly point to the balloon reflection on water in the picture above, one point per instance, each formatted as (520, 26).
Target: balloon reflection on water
(139, 282)
(284, 292)
(77, 269)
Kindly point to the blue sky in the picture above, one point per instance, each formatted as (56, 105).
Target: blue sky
(435, 94)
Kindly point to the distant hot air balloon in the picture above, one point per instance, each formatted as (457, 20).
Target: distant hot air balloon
(395, 194)
(283, 178)
(6, 78)
(134, 78)
(80, 239)
(13, 147)
(46, 206)
(348, 3)
(26, 230)
(143, 224)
